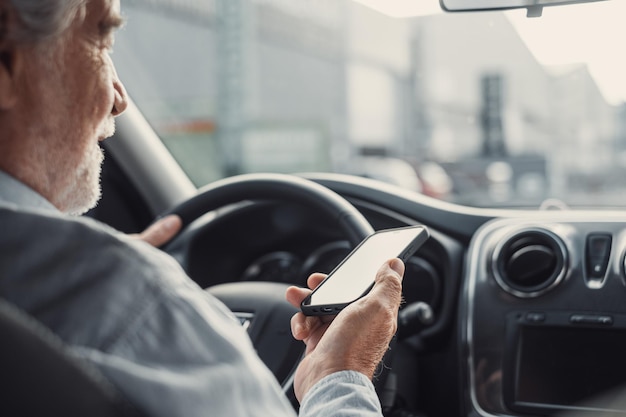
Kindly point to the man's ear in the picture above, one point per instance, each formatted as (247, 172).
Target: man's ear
(8, 56)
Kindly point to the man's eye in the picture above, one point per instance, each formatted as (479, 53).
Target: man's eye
(108, 26)
(107, 35)
(107, 32)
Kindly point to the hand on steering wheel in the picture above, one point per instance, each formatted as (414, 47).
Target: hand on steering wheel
(161, 231)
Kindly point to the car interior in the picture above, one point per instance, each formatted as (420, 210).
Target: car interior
(511, 308)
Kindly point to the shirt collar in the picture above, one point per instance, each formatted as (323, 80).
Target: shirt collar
(18, 194)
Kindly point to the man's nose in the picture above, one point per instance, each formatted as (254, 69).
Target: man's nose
(121, 99)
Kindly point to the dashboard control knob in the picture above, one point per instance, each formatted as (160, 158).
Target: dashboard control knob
(414, 318)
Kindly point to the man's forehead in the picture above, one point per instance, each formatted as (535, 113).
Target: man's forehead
(115, 6)
(97, 11)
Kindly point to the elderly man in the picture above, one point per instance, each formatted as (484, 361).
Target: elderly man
(117, 302)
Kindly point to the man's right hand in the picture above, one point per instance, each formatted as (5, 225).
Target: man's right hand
(356, 339)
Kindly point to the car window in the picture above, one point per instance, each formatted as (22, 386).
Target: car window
(484, 109)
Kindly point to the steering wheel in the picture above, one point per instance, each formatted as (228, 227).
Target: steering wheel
(261, 306)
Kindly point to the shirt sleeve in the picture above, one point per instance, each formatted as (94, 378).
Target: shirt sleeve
(342, 394)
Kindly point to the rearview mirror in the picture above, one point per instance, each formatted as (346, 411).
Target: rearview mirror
(534, 6)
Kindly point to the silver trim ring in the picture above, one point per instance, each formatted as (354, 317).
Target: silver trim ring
(515, 291)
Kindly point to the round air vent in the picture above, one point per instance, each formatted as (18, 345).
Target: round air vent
(529, 263)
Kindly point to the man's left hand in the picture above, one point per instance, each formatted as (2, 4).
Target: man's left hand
(161, 231)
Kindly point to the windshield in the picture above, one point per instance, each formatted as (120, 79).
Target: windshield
(483, 109)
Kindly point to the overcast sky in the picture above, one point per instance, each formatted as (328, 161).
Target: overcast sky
(592, 33)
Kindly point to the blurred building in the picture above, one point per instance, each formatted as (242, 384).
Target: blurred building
(543, 122)
(279, 85)
(266, 90)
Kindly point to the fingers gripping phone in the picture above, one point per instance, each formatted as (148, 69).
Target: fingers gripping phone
(354, 276)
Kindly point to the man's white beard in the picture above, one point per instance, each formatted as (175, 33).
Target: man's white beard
(85, 191)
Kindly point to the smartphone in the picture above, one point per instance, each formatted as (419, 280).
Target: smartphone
(354, 276)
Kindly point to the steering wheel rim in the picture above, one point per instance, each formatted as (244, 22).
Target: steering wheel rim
(283, 187)
(268, 310)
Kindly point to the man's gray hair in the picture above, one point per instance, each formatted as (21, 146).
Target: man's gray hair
(44, 19)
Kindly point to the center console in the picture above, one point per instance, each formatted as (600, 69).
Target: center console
(544, 317)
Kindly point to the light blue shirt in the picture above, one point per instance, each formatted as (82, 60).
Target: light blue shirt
(170, 347)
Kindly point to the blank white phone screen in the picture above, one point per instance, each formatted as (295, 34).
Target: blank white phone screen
(352, 278)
